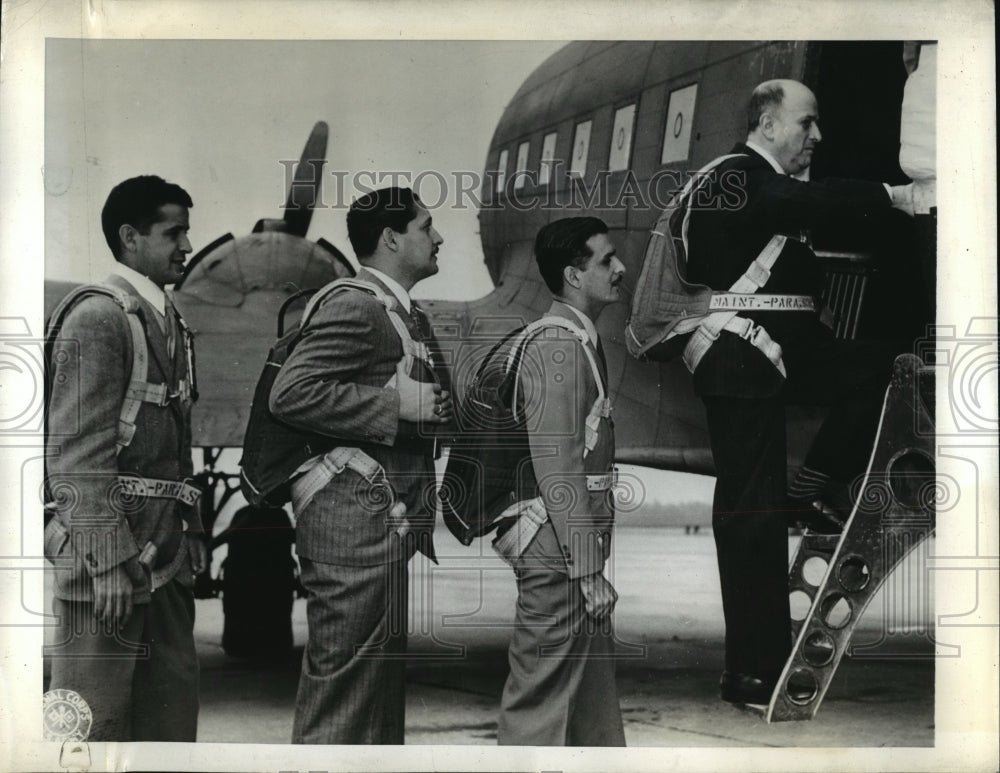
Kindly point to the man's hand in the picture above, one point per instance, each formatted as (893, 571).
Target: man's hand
(422, 401)
(397, 519)
(198, 551)
(445, 409)
(599, 595)
(113, 596)
(902, 197)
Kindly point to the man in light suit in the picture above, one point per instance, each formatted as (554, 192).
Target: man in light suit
(744, 391)
(561, 688)
(357, 527)
(124, 534)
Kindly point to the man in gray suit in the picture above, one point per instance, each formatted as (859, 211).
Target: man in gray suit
(561, 689)
(122, 530)
(365, 507)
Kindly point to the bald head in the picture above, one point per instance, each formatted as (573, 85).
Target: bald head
(783, 118)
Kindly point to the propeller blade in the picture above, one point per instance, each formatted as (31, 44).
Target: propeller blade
(306, 184)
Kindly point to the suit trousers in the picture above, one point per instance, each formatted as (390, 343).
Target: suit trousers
(141, 681)
(561, 689)
(748, 520)
(352, 690)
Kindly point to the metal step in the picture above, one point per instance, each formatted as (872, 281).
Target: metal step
(893, 514)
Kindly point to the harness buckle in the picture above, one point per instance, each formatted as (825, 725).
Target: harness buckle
(377, 477)
(751, 332)
(703, 332)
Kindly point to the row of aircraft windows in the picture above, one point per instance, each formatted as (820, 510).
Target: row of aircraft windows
(676, 142)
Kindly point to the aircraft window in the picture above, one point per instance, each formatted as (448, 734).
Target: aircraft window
(548, 152)
(501, 171)
(581, 146)
(522, 166)
(680, 114)
(621, 138)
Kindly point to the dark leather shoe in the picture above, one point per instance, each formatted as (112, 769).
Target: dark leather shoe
(744, 688)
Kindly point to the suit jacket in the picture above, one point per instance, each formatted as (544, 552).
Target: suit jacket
(558, 391)
(732, 219)
(334, 383)
(94, 528)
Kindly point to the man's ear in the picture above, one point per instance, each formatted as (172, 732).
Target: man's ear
(128, 237)
(767, 125)
(390, 238)
(571, 276)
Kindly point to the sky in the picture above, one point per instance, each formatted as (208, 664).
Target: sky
(221, 117)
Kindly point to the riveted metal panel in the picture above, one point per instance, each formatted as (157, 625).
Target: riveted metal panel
(605, 208)
(648, 121)
(553, 68)
(526, 112)
(532, 100)
(564, 148)
(722, 50)
(527, 223)
(600, 140)
(671, 60)
(610, 76)
(720, 119)
(641, 219)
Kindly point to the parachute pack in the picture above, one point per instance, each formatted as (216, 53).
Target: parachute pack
(272, 449)
(671, 316)
(666, 308)
(492, 450)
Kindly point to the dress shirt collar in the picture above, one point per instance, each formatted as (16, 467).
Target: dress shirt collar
(394, 287)
(766, 156)
(803, 175)
(588, 324)
(143, 285)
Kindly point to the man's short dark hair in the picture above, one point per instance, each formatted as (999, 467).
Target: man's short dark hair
(563, 243)
(765, 96)
(136, 202)
(371, 214)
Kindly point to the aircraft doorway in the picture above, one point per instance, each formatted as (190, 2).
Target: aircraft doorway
(859, 86)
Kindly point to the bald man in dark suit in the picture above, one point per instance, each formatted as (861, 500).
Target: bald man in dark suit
(745, 381)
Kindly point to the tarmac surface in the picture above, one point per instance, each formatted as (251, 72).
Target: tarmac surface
(668, 619)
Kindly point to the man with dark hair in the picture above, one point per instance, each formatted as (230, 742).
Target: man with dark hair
(562, 244)
(746, 372)
(561, 688)
(363, 508)
(137, 201)
(386, 208)
(124, 533)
